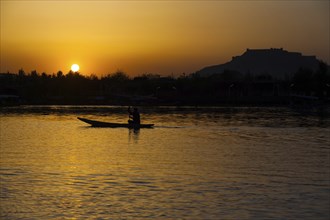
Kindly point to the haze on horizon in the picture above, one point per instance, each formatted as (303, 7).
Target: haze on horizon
(165, 37)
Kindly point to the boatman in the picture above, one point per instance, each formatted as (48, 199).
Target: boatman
(134, 115)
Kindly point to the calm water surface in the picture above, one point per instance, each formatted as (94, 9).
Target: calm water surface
(210, 163)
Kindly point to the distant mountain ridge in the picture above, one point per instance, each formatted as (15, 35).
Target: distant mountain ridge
(274, 61)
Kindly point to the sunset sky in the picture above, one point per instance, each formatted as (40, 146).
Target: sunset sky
(165, 37)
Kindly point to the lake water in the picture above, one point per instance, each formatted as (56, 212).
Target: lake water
(197, 163)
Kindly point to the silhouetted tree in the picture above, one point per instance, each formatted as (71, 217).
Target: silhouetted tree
(303, 80)
(59, 74)
(321, 79)
(75, 88)
(34, 74)
(21, 73)
(118, 76)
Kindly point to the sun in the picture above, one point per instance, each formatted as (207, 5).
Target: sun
(75, 67)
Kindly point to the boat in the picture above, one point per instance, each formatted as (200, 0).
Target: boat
(102, 124)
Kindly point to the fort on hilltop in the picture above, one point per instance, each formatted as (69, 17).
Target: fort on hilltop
(276, 62)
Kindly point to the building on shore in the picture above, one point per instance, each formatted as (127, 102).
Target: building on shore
(275, 62)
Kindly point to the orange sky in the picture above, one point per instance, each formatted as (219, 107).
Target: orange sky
(162, 37)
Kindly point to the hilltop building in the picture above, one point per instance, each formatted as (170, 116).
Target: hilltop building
(276, 62)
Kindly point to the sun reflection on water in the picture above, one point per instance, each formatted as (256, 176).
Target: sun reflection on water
(200, 166)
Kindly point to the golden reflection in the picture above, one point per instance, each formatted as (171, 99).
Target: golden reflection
(133, 135)
(62, 169)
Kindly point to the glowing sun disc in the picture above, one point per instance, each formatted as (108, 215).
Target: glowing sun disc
(75, 67)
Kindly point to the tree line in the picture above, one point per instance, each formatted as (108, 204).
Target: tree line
(186, 89)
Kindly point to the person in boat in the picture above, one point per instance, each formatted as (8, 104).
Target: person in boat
(134, 116)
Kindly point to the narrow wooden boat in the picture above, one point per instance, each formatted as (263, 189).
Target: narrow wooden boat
(95, 123)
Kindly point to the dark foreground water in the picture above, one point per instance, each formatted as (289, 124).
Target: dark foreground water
(210, 163)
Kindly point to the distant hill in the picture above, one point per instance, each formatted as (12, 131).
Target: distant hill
(275, 62)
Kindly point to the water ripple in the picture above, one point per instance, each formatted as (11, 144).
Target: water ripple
(227, 163)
